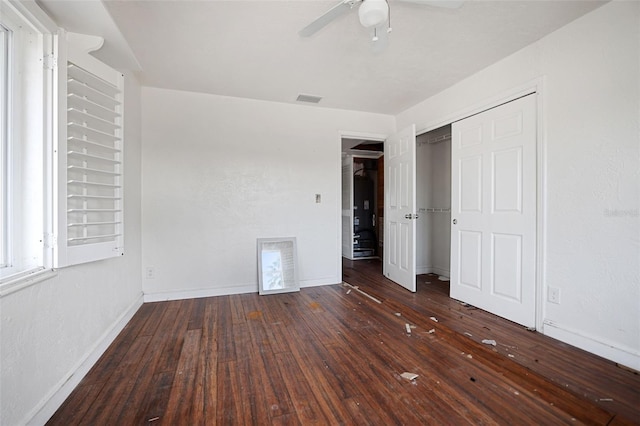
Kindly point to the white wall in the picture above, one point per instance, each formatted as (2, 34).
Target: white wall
(440, 198)
(221, 172)
(591, 111)
(52, 327)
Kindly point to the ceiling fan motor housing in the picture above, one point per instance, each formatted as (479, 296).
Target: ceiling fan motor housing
(373, 12)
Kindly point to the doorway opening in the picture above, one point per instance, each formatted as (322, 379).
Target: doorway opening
(363, 184)
(362, 198)
(433, 202)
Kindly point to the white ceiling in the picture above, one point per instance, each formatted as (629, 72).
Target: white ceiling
(251, 49)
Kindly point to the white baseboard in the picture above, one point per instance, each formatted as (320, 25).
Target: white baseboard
(199, 293)
(48, 406)
(225, 291)
(609, 350)
(319, 282)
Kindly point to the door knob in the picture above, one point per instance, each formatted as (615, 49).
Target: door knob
(455, 221)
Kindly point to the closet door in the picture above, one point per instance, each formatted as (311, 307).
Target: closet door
(493, 210)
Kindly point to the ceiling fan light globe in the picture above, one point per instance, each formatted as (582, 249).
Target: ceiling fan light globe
(373, 12)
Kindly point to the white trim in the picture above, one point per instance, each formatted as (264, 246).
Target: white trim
(504, 97)
(26, 279)
(42, 412)
(36, 16)
(610, 350)
(378, 137)
(322, 281)
(541, 205)
(163, 296)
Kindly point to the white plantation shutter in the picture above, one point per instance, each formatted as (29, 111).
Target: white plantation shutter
(89, 223)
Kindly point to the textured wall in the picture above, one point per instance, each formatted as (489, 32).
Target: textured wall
(221, 172)
(50, 328)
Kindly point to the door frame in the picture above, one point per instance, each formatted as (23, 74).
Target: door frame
(352, 192)
(376, 137)
(536, 87)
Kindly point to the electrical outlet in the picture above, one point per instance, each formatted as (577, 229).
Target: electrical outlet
(318, 198)
(553, 295)
(150, 272)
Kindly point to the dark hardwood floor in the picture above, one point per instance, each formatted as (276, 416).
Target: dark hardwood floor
(330, 355)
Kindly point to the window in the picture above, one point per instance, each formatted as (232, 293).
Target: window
(22, 130)
(61, 200)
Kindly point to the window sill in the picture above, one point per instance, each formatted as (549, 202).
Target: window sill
(27, 279)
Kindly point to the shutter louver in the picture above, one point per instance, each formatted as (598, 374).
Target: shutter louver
(90, 225)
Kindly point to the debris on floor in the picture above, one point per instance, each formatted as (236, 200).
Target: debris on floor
(409, 376)
(606, 399)
(511, 355)
(489, 342)
(355, 287)
(433, 330)
(408, 327)
(433, 319)
(153, 419)
(348, 291)
(398, 314)
(443, 278)
(468, 334)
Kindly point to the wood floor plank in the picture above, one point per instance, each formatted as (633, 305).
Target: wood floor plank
(184, 383)
(114, 354)
(196, 320)
(332, 355)
(207, 396)
(302, 398)
(73, 410)
(117, 389)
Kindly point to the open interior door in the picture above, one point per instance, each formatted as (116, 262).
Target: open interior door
(347, 207)
(399, 258)
(493, 210)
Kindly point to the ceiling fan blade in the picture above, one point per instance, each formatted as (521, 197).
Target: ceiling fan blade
(331, 14)
(449, 4)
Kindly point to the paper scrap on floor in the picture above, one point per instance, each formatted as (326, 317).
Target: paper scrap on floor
(409, 376)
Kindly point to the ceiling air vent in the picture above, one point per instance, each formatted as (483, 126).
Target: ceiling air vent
(308, 98)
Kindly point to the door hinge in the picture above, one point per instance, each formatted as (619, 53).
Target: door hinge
(50, 240)
(50, 62)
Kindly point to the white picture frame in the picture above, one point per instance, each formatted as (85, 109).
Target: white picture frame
(277, 265)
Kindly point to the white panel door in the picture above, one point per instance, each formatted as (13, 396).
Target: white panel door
(399, 259)
(493, 210)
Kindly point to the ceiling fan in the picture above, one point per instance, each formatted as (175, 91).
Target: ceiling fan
(372, 13)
